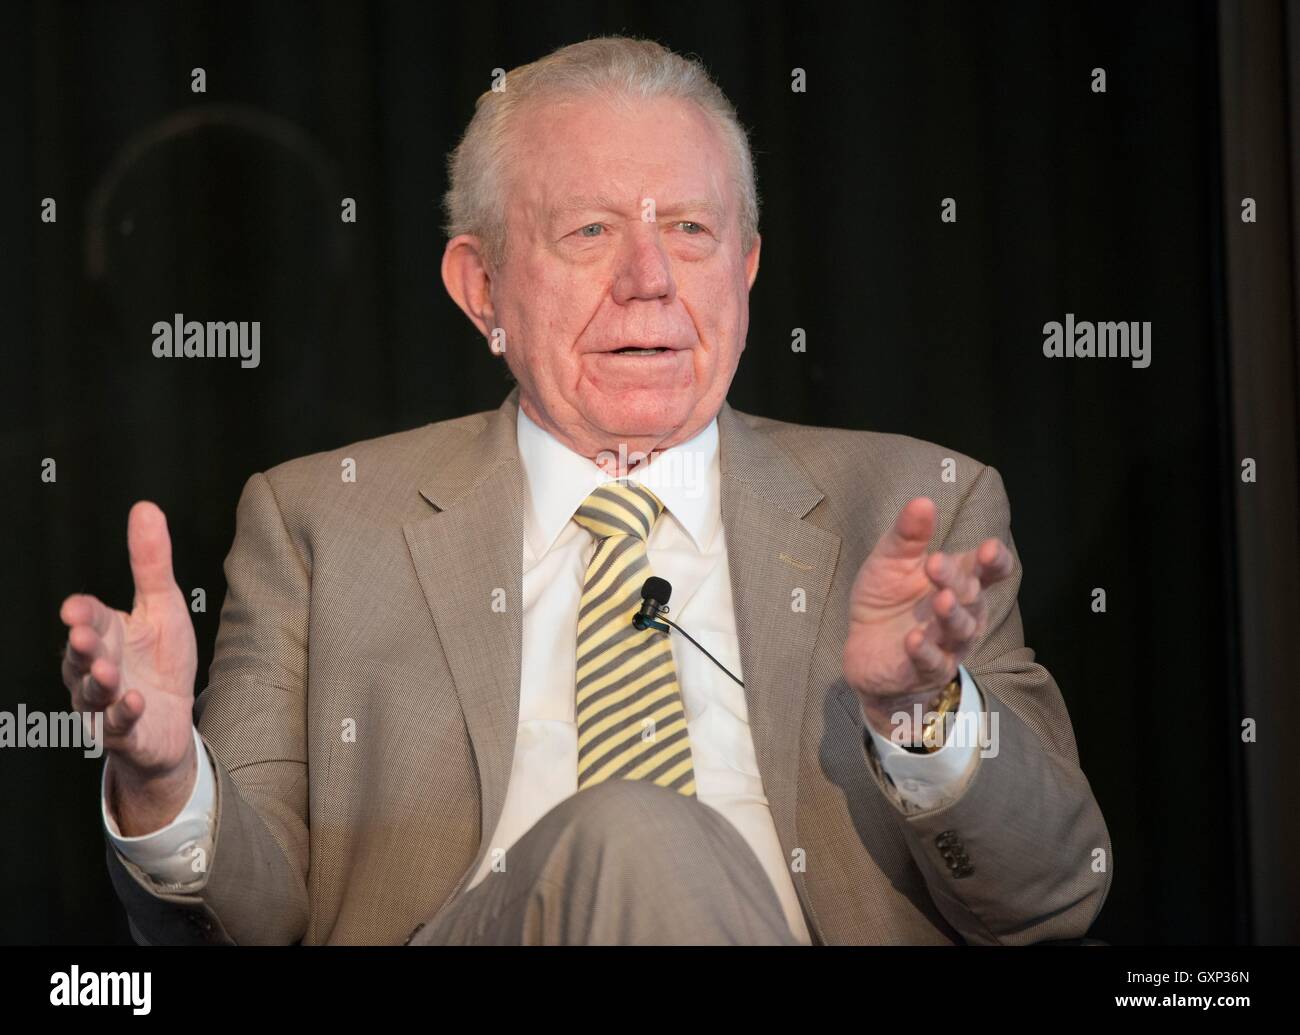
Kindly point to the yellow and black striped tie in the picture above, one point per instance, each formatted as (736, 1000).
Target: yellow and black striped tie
(631, 723)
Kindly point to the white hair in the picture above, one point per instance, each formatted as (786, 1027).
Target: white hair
(611, 66)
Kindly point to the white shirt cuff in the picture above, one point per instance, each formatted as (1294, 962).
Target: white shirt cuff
(178, 853)
(931, 780)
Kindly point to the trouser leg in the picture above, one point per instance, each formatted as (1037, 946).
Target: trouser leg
(624, 862)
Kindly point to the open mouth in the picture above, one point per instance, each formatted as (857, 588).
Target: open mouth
(635, 350)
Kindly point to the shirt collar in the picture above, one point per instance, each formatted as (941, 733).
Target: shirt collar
(686, 478)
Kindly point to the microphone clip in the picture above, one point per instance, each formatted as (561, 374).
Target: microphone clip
(645, 618)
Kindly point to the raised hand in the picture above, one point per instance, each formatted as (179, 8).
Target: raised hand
(138, 668)
(913, 615)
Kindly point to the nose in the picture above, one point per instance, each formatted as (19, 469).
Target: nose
(643, 271)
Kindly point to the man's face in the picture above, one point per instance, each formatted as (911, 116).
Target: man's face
(623, 233)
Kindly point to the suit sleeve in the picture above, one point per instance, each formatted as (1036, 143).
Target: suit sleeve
(1022, 855)
(252, 718)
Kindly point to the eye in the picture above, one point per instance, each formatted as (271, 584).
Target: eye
(598, 227)
(693, 228)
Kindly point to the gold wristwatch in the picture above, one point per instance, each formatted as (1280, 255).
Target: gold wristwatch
(934, 732)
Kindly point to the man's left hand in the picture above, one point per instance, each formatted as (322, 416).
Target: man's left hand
(913, 615)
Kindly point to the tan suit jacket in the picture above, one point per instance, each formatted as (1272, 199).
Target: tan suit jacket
(369, 605)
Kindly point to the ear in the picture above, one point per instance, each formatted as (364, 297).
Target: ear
(751, 261)
(468, 280)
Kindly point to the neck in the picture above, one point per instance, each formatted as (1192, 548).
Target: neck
(616, 455)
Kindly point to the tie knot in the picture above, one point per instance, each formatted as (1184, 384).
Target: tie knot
(620, 508)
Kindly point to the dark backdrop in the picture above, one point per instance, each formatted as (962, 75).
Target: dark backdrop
(226, 206)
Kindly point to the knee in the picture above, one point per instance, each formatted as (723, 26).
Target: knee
(613, 799)
(675, 865)
(635, 817)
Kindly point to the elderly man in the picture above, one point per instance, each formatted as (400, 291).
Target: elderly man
(430, 714)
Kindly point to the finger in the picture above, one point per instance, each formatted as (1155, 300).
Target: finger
(150, 548)
(993, 562)
(83, 609)
(83, 647)
(76, 660)
(100, 685)
(911, 531)
(931, 663)
(84, 644)
(955, 623)
(939, 568)
(948, 572)
(120, 717)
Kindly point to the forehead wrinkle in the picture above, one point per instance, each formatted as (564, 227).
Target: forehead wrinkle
(602, 203)
(704, 205)
(580, 203)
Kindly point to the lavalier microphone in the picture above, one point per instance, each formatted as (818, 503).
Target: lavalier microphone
(655, 593)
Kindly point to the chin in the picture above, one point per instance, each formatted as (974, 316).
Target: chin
(641, 414)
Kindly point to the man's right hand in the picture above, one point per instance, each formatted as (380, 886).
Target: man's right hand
(138, 669)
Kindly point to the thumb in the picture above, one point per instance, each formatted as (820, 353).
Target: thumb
(151, 550)
(910, 533)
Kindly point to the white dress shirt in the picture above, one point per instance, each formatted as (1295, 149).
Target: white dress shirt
(687, 547)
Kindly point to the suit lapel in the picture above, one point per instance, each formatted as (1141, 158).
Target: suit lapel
(781, 568)
(469, 559)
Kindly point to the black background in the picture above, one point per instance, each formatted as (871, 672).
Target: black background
(226, 206)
